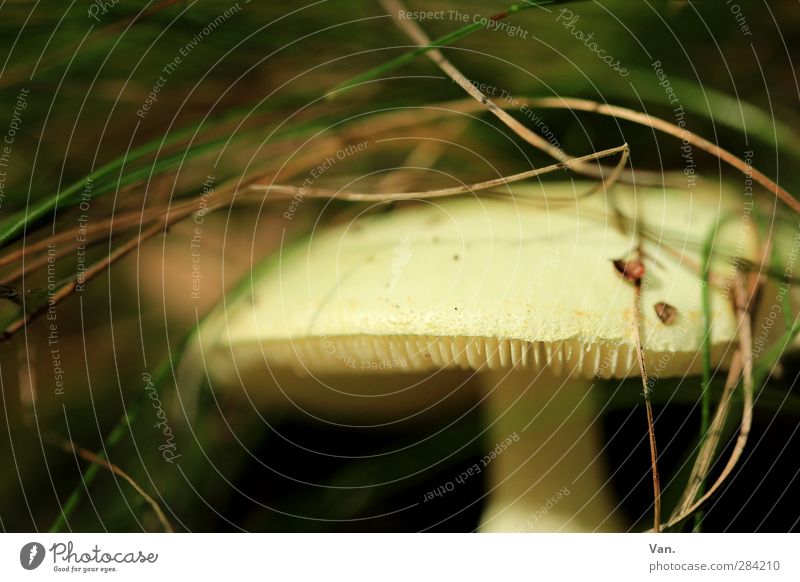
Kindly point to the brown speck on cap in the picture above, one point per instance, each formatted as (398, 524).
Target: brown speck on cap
(665, 312)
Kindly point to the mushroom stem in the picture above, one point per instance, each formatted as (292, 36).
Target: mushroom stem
(548, 472)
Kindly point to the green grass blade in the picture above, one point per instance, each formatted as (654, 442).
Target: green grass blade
(13, 227)
(114, 437)
(705, 298)
(93, 469)
(442, 41)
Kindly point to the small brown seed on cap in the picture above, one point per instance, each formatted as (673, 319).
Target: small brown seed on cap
(665, 312)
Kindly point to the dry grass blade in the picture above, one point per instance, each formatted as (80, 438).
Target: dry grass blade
(708, 449)
(675, 131)
(469, 106)
(384, 121)
(66, 290)
(705, 457)
(416, 34)
(290, 191)
(651, 432)
(100, 231)
(90, 457)
(746, 350)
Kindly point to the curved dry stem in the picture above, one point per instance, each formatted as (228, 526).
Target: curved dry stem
(705, 456)
(290, 191)
(675, 131)
(651, 432)
(469, 106)
(416, 34)
(91, 457)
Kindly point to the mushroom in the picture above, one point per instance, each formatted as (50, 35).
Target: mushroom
(521, 290)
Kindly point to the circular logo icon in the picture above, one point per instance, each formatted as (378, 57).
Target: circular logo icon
(31, 555)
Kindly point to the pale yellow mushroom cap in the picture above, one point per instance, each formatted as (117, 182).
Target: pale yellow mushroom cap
(482, 281)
